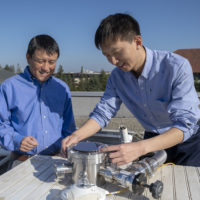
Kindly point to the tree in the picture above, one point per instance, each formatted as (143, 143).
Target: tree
(93, 83)
(18, 70)
(60, 73)
(7, 67)
(10, 68)
(197, 85)
(103, 80)
(70, 82)
(82, 70)
(83, 81)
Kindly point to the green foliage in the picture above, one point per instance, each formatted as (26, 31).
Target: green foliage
(70, 82)
(10, 68)
(83, 81)
(197, 85)
(94, 83)
(18, 70)
(197, 81)
(81, 69)
(60, 73)
(103, 80)
(196, 76)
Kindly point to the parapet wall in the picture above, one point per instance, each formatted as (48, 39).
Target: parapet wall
(84, 102)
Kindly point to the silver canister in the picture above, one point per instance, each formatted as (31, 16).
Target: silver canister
(86, 160)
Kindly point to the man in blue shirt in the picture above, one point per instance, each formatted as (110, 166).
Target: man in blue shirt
(35, 107)
(156, 86)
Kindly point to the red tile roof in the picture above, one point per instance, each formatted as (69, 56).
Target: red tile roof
(193, 55)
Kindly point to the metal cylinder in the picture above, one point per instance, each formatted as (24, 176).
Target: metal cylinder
(150, 163)
(146, 166)
(61, 169)
(86, 164)
(122, 177)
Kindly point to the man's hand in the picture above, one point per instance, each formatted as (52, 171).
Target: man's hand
(69, 141)
(87, 130)
(124, 153)
(28, 143)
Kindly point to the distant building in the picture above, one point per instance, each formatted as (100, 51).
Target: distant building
(4, 74)
(76, 75)
(193, 55)
(87, 71)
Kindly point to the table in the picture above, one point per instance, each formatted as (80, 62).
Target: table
(35, 179)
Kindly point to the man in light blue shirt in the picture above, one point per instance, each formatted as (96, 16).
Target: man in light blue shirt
(156, 86)
(35, 107)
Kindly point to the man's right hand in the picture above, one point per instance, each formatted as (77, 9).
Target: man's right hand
(87, 130)
(69, 141)
(28, 143)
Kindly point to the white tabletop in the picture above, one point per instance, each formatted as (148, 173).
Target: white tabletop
(35, 179)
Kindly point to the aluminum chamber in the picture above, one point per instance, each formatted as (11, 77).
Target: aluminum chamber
(86, 160)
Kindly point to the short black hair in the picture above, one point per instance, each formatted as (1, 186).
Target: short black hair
(45, 42)
(116, 26)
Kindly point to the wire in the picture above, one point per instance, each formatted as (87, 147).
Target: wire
(117, 192)
(165, 165)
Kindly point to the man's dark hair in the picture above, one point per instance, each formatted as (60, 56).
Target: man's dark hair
(117, 26)
(44, 42)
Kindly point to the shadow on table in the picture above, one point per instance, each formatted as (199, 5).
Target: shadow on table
(54, 194)
(44, 169)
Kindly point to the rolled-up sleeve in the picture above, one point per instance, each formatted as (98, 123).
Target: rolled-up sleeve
(108, 105)
(184, 107)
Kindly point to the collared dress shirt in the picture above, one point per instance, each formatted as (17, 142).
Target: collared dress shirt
(162, 97)
(29, 108)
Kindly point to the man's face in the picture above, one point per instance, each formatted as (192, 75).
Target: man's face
(41, 64)
(123, 54)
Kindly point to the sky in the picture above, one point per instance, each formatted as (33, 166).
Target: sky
(165, 25)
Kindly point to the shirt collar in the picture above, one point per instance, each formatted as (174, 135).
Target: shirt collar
(31, 78)
(148, 63)
(28, 74)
